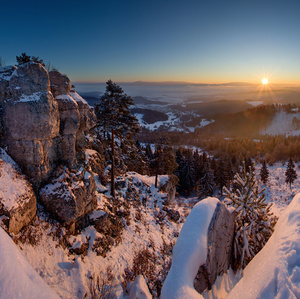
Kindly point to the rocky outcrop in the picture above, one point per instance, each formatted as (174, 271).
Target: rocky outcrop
(70, 194)
(30, 119)
(219, 248)
(44, 124)
(17, 199)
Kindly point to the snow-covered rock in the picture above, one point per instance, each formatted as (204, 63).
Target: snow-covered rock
(219, 247)
(275, 270)
(139, 289)
(17, 278)
(70, 195)
(43, 122)
(17, 199)
(190, 252)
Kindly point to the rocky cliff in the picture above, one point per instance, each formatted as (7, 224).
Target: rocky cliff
(43, 125)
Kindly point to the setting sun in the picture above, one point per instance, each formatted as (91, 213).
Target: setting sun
(265, 81)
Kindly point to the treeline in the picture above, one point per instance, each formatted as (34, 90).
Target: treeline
(273, 149)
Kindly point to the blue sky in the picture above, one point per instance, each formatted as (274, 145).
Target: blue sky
(195, 41)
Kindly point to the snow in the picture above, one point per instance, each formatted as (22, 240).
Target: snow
(139, 289)
(96, 214)
(275, 270)
(190, 252)
(17, 278)
(205, 122)
(77, 97)
(89, 153)
(30, 98)
(255, 103)
(149, 181)
(12, 184)
(282, 124)
(65, 98)
(6, 72)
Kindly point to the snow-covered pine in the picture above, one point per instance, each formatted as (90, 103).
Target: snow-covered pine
(254, 221)
(290, 174)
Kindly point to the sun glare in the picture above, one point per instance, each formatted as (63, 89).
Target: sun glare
(265, 81)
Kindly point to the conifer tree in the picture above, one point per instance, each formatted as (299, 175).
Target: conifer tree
(221, 175)
(164, 159)
(254, 221)
(264, 172)
(290, 174)
(206, 184)
(185, 171)
(115, 119)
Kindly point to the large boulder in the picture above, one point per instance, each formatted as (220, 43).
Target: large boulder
(17, 199)
(70, 194)
(219, 248)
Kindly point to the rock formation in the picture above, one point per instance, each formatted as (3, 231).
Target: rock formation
(17, 199)
(219, 248)
(44, 124)
(69, 195)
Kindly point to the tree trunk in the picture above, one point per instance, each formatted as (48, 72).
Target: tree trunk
(157, 169)
(112, 171)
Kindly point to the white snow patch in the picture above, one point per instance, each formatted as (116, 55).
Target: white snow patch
(255, 103)
(65, 98)
(190, 252)
(77, 97)
(13, 185)
(282, 124)
(17, 278)
(30, 98)
(275, 270)
(96, 214)
(139, 289)
(205, 122)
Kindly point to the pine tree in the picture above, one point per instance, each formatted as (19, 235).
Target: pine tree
(164, 159)
(290, 174)
(264, 172)
(24, 58)
(185, 171)
(114, 119)
(206, 184)
(254, 221)
(221, 178)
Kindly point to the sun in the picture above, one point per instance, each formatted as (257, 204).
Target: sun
(265, 81)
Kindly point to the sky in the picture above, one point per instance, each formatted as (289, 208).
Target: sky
(157, 40)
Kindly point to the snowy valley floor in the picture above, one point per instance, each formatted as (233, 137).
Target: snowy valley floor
(51, 252)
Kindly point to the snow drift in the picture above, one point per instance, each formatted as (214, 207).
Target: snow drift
(190, 252)
(275, 270)
(17, 278)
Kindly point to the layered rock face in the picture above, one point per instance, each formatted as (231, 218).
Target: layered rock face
(30, 119)
(43, 124)
(219, 248)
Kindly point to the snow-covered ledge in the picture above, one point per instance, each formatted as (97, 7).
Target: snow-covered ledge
(190, 252)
